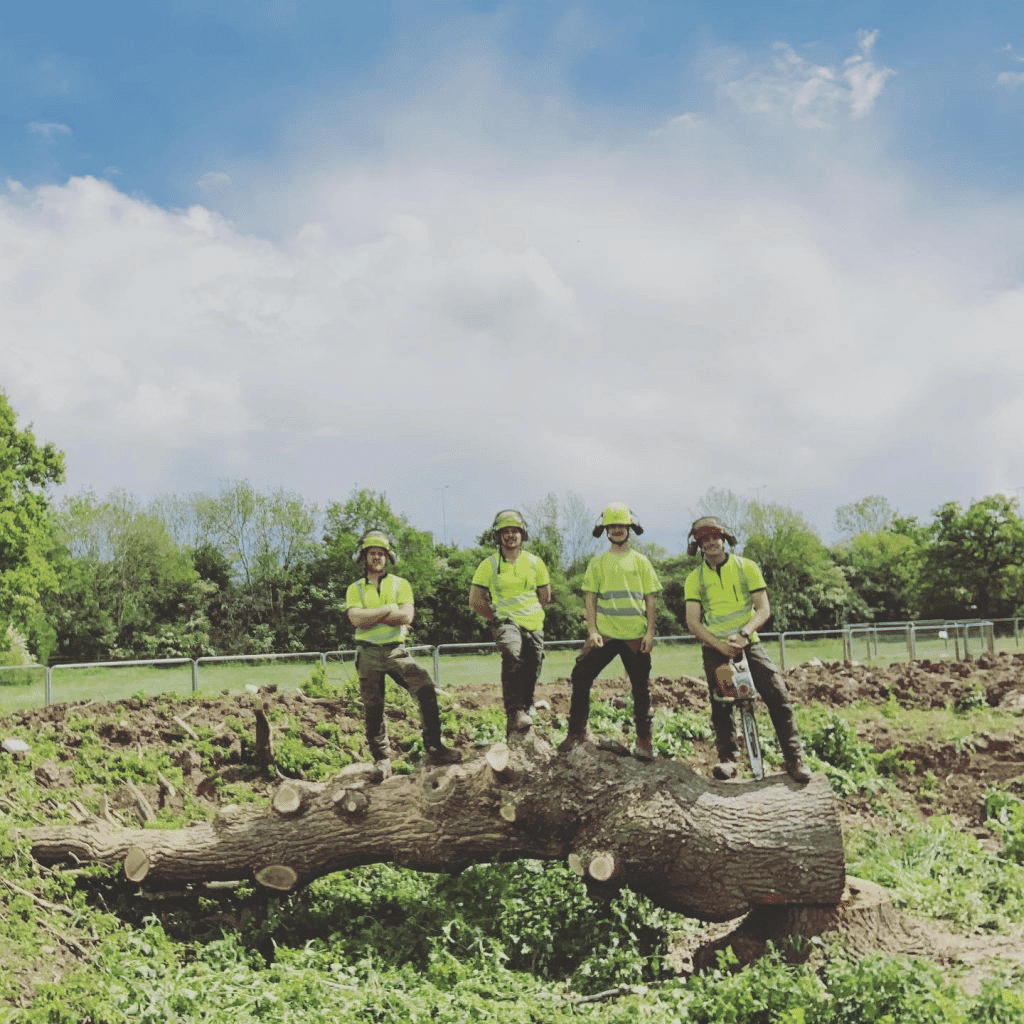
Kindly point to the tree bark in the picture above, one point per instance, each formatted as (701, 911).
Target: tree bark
(707, 849)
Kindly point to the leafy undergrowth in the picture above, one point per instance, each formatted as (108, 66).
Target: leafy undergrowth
(501, 942)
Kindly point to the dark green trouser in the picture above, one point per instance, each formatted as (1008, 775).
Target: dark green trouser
(373, 663)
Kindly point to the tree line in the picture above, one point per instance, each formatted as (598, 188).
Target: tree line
(93, 578)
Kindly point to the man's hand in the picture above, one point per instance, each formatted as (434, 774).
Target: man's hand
(594, 639)
(647, 643)
(732, 646)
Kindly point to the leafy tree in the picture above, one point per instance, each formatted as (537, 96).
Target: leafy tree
(869, 515)
(883, 569)
(450, 619)
(27, 470)
(972, 565)
(128, 589)
(806, 588)
(729, 507)
(267, 541)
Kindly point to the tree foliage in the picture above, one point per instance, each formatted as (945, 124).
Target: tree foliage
(973, 563)
(807, 589)
(872, 514)
(27, 470)
(128, 590)
(246, 572)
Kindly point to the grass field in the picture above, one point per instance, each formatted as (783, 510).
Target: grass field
(673, 657)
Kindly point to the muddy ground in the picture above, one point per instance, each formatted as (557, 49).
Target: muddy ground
(962, 771)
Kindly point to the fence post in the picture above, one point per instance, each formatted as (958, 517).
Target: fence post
(782, 651)
(847, 645)
(437, 666)
(911, 644)
(990, 630)
(195, 676)
(49, 685)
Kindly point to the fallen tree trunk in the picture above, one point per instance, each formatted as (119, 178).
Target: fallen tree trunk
(706, 849)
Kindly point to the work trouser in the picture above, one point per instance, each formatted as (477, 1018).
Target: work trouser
(373, 663)
(522, 654)
(770, 685)
(588, 667)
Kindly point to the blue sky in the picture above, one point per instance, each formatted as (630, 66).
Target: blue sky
(487, 251)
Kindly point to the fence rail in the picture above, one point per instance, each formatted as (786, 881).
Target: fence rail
(868, 642)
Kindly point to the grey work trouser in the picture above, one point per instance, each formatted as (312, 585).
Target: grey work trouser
(522, 654)
(373, 663)
(770, 685)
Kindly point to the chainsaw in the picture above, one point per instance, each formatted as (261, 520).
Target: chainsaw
(736, 686)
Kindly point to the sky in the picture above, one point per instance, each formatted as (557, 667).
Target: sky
(473, 253)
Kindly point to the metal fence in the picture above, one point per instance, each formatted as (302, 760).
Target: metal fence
(35, 685)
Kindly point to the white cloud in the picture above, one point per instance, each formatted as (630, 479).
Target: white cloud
(213, 180)
(632, 321)
(1011, 79)
(48, 131)
(814, 95)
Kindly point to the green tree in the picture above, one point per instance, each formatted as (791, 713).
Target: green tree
(128, 589)
(972, 565)
(27, 470)
(269, 541)
(881, 556)
(869, 515)
(806, 588)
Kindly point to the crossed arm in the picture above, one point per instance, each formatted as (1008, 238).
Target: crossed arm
(389, 614)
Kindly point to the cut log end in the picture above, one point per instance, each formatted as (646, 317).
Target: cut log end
(277, 876)
(350, 801)
(508, 811)
(602, 867)
(498, 757)
(287, 801)
(136, 864)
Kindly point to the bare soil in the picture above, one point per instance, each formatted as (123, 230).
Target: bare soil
(962, 771)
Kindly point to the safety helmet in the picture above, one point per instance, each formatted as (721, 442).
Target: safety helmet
(375, 538)
(506, 518)
(617, 514)
(707, 526)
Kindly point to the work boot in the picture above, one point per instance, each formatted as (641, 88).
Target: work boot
(789, 741)
(441, 755)
(724, 770)
(519, 722)
(798, 771)
(574, 739)
(643, 750)
(430, 717)
(384, 767)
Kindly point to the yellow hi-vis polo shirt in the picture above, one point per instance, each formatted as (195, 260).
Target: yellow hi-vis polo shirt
(393, 590)
(724, 593)
(513, 588)
(621, 582)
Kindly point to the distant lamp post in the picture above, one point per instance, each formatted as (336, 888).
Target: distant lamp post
(444, 521)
